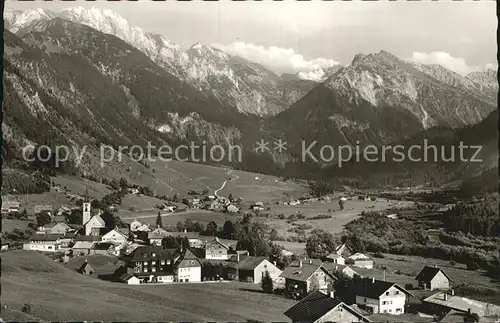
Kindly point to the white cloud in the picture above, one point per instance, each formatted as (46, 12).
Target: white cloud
(456, 64)
(276, 58)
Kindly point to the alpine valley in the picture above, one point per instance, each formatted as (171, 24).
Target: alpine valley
(87, 76)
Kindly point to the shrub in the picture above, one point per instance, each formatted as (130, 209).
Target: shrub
(408, 286)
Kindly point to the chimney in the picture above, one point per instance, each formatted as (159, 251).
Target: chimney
(384, 275)
(452, 292)
(468, 311)
(274, 263)
(300, 263)
(238, 257)
(373, 280)
(332, 294)
(435, 265)
(445, 296)
(310, 261)
(185, 230)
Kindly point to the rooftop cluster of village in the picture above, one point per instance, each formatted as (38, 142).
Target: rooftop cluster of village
(338, 288)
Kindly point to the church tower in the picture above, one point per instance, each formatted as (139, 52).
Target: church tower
(86, 208)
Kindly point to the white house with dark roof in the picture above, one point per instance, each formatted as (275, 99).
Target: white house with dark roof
(318, 308)
(336, 259)
(381, 297)
(304, 276)
(432, 278)
(115, 236)
(361, 260)
(220, 249)
(44, 242)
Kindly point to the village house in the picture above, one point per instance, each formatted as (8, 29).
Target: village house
(194, 238)
(130, 279)
(44, 242)
(188, 268)
(343, 250)
(156, 236)
(443, 302)
(343, 269)
(251, 269)
(170, 208)
(432, 278)
(83, 244)
(303, 276)
(257, 206)
(57, 228)
(336, 259)
(220, 249)
(102, 248)
(136, 226)
(318, 308)
(361, 260)
(153, 264)
(117, 236)
(86, 269)
(10, 207)
(380, 297)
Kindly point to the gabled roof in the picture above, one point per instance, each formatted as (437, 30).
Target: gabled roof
(315, 305)
(246, 263)
(120, 232)
(102, 246)
(428, 272)
(145, 253)
(63, 224)
(359, 256)
(375, 288)
(83, 245)
(304, 272)
(336, 267)
(46, 237)
(334, 256)
(463, 304)
(98, 218)
(224, 242)
(158, 233)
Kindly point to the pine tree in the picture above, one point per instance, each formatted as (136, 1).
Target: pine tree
(159, 223)
(267, 283)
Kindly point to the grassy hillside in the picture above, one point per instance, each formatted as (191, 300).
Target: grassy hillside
(28, 275)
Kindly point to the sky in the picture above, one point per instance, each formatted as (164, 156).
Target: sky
(292, 36)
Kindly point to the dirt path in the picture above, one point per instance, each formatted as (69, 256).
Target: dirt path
(216, 193)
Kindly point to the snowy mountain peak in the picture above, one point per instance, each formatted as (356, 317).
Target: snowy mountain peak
(19, 19)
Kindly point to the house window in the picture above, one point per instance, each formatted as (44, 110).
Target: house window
(145, 263)
(390, 311)
(162, 262)
(153, 262)
(384, 303)
(386, 293)
(192, 262)
(396, 292)
(145, 270)
(168, 262)
(153, 255)
(153, 269)
(398, 310)
(385, 311)
(365, 300)
(50, 247)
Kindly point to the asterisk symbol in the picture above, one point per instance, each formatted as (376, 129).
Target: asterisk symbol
(280, 145)
(261, 146)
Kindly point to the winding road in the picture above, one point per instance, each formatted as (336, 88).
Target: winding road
(216, 193)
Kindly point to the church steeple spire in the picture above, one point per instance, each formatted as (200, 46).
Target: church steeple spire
(86, 198)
